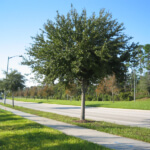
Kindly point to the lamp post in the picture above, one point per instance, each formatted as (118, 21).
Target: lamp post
(7, 73)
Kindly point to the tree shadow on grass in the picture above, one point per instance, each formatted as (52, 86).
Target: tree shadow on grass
(43, 141)
(78, 107)
(9, 117)
(102, 126)
(96, 105)
(75, 146)
(22, 126)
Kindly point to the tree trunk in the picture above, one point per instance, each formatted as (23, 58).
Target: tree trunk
(83, 91)
(13, 99)
(112, 95)
(5, 97)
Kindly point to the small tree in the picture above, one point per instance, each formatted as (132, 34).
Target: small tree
(71, 89)
(102, 88)
(112, 85)
(40, 92)
(26, 92)
(14, 81)
(33, 92)
(47, 91)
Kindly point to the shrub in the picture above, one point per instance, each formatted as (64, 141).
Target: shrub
(94, 98)
(107, 98)
(89, 98)
(78, 98)
(125, 96)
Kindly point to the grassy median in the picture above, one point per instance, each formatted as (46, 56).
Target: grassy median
(17, 133)
(137, 133)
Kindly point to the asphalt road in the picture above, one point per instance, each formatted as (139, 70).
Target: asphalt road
(131, 117)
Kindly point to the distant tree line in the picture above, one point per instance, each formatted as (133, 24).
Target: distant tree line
(108, 88)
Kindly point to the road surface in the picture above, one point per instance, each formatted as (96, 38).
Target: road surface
(131, 117)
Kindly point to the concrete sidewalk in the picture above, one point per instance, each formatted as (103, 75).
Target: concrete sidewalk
(101, 138)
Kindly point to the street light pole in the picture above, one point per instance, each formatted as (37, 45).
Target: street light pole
(7, 73)
(7, 66)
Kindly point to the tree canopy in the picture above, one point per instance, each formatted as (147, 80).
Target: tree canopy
(14, 81)
(77, 47)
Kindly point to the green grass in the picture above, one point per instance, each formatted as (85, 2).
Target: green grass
(17, 133)
(138, 104)
(137, 133)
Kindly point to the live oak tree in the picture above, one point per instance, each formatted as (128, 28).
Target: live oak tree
(80, 48)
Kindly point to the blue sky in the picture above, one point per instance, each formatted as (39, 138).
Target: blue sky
(21, 19)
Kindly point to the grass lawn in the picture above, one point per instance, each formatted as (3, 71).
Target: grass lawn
(17, 133)
(137, 133)
(138, 104)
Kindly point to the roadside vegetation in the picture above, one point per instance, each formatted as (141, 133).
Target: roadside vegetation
(143, 104)
(137, 133)
(17, 133)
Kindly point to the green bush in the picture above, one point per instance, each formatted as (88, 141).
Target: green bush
(107, 98)
(94, 98)
(88, 98)
(99, 98)
(125, 96)
(78, 98)
(116, 98)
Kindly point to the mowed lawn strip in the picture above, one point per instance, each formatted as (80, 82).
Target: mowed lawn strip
(137, 133)
(17, 133)
(143, 104)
